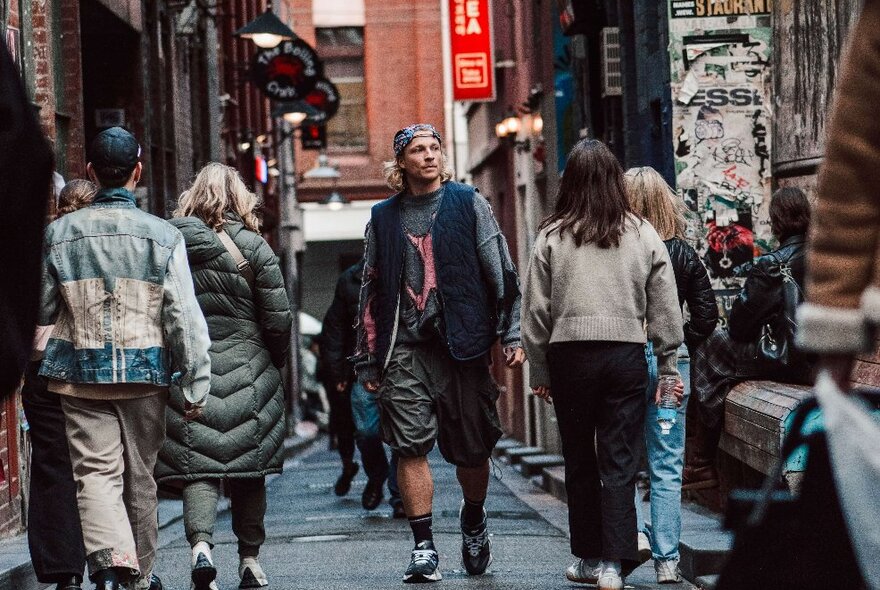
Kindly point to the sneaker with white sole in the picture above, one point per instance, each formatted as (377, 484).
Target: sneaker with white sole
(667, 571)
(476, 547)
(584, 571)
(609, 579)
(644, 547)
(251, 573)
(203, 570)
(424, 565)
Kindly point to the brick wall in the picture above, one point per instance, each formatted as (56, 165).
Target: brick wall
(403, 75)
(37, 35)
(71, 64)
(11, 521)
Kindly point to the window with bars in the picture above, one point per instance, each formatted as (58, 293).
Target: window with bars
(612, 76)
(342, 50)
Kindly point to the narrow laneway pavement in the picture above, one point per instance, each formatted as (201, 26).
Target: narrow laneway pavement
(318, 541)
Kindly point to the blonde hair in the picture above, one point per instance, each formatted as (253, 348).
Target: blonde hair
(654, 201)
(395, 175)
(217, 190)
(76, 194)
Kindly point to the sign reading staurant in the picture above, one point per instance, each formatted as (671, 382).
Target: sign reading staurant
(473, 62)
(709, 8)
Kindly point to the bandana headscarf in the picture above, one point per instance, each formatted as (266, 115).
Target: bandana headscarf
(403, 137)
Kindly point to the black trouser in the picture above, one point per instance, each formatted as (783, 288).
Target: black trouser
(341, 423)
(598, 391)
(54, 533)
(343, 427)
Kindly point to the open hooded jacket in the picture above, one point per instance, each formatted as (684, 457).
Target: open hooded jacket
(241, 431)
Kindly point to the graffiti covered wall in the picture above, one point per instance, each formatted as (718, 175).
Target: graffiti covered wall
(720, 54)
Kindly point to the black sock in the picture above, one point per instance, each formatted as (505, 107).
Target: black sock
(421, 528)
(472, 515)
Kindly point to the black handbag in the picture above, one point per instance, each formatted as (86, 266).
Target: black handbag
(783, 541)
(773, 352)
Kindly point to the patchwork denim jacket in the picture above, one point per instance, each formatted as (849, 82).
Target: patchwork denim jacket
(117, 286)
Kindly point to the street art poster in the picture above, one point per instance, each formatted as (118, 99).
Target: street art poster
(721, 91)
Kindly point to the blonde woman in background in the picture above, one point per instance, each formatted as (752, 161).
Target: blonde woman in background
(655, 202)
(238, 439)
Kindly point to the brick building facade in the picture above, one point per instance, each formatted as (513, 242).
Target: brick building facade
(393, 47)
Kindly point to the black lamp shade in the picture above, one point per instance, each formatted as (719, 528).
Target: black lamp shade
(266, 24)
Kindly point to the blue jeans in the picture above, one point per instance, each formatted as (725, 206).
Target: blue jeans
(665, 462)
(365, 412)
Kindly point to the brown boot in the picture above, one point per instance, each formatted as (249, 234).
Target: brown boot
(700, 473)
(699, 477)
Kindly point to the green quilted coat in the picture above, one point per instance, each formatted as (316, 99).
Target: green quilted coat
(241, 431)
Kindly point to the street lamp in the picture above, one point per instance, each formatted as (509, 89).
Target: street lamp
(323, 170)
(294, 112)
(335, 201)
(266, 30)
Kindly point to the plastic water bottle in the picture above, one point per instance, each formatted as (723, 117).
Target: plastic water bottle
(667, 410)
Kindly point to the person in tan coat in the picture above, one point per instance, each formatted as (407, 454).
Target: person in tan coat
(843, 268)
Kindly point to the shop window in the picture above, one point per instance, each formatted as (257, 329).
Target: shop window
(342, 50)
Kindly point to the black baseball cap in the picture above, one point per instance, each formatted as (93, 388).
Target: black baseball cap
(113, 154)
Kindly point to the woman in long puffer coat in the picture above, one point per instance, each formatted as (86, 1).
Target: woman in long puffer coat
(238, 440)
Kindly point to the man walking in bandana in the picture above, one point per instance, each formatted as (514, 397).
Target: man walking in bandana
(439, 289)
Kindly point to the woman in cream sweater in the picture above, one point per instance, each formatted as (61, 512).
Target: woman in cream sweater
(598, 276)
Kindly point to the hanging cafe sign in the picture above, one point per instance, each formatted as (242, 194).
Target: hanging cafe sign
(288, 71)
(324, 97)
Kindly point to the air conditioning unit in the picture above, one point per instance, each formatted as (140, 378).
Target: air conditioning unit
(612, 76)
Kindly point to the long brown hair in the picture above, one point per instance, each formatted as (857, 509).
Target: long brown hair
(654, 201)
(591, 202)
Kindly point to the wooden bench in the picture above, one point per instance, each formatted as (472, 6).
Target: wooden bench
(756, 417)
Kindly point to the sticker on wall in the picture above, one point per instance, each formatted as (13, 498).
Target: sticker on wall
(721, 116)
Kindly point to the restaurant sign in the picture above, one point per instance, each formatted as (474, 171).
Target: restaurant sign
(473, 63)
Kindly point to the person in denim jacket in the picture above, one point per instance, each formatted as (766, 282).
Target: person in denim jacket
(117, 286)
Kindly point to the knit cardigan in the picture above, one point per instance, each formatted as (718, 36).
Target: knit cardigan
(589, 293)
(843, 260)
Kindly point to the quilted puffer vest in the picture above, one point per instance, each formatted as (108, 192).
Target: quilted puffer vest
(469, 317)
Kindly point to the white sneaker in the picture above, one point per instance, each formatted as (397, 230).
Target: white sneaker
(667, 571)
(609, 579)
(644, 547)
(251, 574)
(584, 571)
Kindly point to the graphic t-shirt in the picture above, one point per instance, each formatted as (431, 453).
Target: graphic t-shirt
(420, 310)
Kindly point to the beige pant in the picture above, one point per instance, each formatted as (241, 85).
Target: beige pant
(113, 449)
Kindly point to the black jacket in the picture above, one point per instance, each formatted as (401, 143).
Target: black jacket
(761, 302)
(338, 338)
(25, 175)
(694, 288)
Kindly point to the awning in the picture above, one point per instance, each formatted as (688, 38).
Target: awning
(322, 224)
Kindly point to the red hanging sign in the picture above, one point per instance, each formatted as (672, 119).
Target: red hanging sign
(473, 60)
